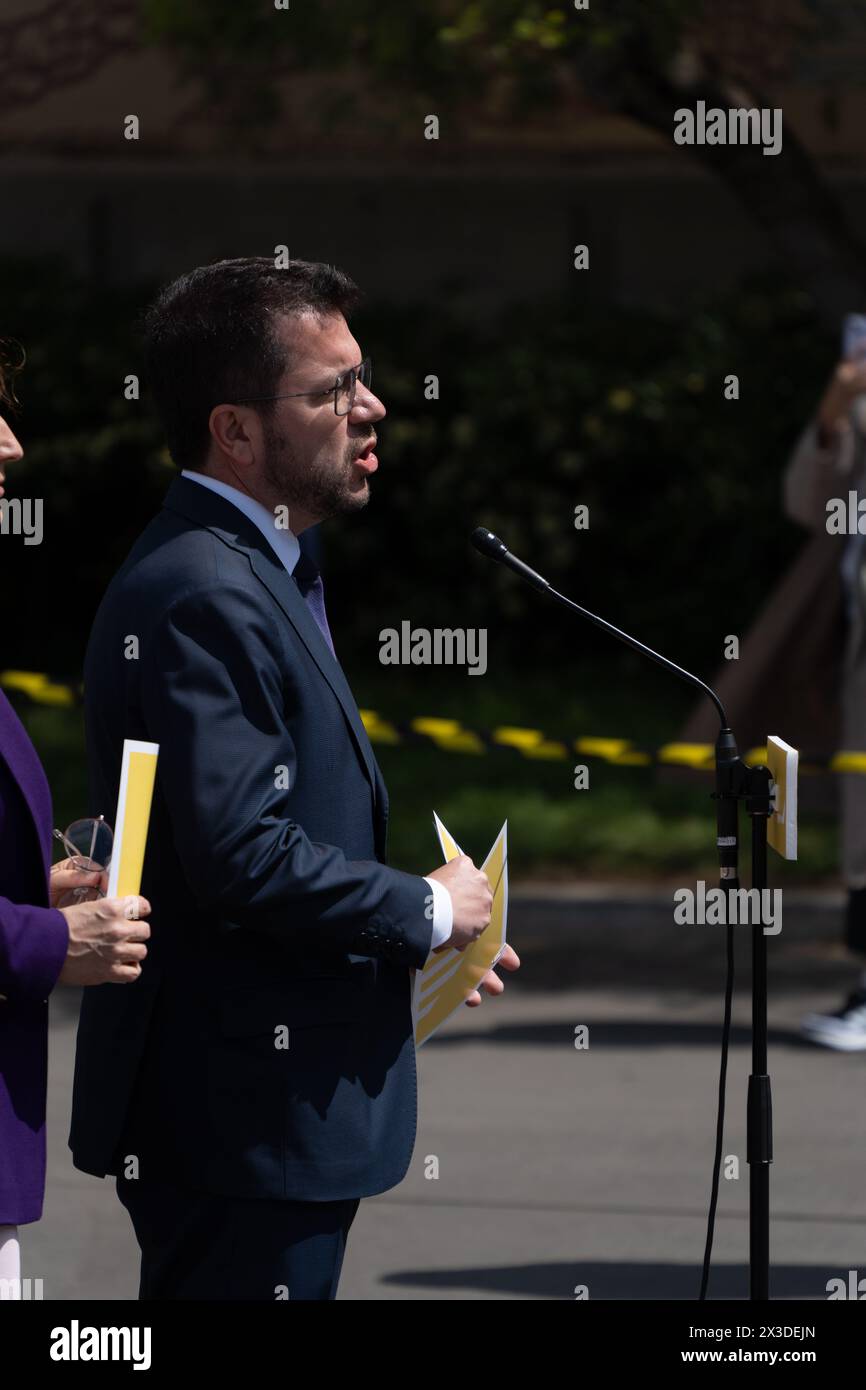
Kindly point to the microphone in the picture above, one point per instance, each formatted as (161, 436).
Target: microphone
(727, 828)
(493, 548)
(727, 760)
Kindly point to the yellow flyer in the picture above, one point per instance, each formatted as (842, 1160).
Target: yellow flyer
(450, 976)
(137, 775)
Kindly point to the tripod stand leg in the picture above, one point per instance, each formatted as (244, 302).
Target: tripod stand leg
(759, 1120)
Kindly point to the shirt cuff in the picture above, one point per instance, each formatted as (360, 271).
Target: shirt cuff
(443, 913)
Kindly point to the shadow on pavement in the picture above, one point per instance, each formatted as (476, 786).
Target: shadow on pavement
(620, 1280)
(626, 1033)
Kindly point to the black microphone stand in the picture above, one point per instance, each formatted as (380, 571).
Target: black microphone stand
(736, 781)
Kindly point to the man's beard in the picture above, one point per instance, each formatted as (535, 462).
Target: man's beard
(321, 488)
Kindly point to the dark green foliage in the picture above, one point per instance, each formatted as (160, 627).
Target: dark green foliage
(547, 408)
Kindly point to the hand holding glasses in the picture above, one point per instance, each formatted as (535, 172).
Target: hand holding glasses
(88, 843)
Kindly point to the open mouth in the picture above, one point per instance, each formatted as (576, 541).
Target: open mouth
(367, 460)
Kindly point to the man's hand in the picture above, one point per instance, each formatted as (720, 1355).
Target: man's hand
(471, 900)
(491, 984)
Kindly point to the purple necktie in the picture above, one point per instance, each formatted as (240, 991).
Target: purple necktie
(309, 581)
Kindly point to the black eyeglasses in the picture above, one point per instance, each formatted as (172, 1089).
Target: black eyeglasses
(343, 389)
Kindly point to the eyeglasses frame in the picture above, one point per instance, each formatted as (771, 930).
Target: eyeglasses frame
(353, 372)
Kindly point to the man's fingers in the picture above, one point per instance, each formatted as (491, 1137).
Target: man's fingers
(492, 983)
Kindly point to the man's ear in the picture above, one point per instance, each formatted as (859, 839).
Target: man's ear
(236, 431)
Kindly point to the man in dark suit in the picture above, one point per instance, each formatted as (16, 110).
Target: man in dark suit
(259, 1079)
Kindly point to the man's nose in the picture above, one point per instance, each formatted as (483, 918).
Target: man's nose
(366, 405)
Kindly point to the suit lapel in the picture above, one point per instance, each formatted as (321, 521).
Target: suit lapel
(206, 508)
(283, 589)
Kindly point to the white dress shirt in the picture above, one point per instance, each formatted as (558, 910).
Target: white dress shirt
(285, 545)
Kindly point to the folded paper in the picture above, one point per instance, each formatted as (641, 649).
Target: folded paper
(450, 976)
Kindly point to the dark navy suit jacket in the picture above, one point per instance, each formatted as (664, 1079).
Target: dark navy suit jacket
(275, 918)
(33, 942)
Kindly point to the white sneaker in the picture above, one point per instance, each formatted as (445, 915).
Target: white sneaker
(845, 1031)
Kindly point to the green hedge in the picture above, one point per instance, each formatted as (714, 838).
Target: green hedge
(547, 407)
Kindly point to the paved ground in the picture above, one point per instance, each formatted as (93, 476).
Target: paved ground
(560, 1167)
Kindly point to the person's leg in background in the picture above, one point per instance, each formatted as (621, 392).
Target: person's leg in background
(10, 1263)
(845, 1030)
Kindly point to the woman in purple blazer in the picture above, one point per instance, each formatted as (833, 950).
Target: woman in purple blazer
(89, 943)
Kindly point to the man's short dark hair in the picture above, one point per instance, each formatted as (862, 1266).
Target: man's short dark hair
(211, 336)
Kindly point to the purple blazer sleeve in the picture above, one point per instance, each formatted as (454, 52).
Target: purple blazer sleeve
(33, 936)
(33, 945)
(33, 941)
